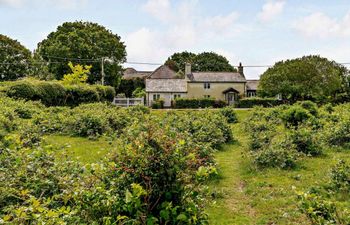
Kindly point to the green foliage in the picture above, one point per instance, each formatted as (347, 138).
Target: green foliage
(206, 61)
(340, 177)
(15, 59)
(79, 74)
(157, 175)
(188, 103)
(230, 114)
(281, 154)
(159, 104)
(84, 40)
(23, 90)
(139, 93)
(319, 210)
(127, 87)
(309, 77)
(306, 141)
(251, 102)
(56, 94)
(295, 115)
(321, 204)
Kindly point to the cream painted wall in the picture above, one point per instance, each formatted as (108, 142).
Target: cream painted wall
(196, 90)
(167, 97)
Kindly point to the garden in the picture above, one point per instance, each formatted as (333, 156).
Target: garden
(95, 163)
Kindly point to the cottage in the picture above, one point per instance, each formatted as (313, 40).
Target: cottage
(168, 85)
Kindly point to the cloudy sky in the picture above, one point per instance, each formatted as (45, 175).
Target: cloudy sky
(254, 32)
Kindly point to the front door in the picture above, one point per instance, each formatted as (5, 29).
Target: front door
(230, 98)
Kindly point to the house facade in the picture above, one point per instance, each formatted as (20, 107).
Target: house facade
(166, 84)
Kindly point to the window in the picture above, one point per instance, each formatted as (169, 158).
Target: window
(206, 85)
(177, 96)
(206, 96)
(156, 97)
(251, 94)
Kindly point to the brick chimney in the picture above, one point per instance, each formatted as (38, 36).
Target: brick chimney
(188, 69)
(240, 70)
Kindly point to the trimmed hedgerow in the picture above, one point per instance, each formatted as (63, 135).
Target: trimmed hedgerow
(251, 102)
(57, 94)
(195, 103)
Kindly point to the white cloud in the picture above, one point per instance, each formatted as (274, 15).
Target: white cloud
(159, 9)
(320, 25)
(220, 24)
(11, 3)
(63, 4)
(271, 9)
(184, 28)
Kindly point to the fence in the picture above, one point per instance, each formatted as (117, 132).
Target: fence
(127, 102)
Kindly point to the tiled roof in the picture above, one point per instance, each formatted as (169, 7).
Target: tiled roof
(252, 84)
(217, 77)
(166, 85)
(163, 72)
(131, 73)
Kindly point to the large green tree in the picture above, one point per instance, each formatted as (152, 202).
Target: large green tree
(84, 43)
(309, 77)
(203, 62)
(15, 59)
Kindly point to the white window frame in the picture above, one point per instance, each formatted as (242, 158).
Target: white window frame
(156, 97)
(206, 85)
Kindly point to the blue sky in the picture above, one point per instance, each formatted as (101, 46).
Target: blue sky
(254, 32)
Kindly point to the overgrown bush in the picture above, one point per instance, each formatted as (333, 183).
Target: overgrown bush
(281, 154)
(230, 114)
(306, 141)
(295, 115)
(340, 177)
(251, 102)
(23, 90)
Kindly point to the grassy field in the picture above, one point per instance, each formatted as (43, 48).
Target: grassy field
(243, 194)
(247, 196)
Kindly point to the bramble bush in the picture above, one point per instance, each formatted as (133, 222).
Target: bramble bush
(230, 114)
(322, 205)
(157, 176)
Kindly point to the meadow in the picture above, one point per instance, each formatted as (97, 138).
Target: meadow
(100, 164)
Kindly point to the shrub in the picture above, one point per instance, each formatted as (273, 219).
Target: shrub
(78, 94)
(319, 210)
(51, 94)
(230, 114)
(23, 90)
(106, 93)
(310, 106)
(340, 176)
(188, 103)
(295, 115)
(159, 104)
(251, 102)
(305, 141)
(280, 155)
(336, 132)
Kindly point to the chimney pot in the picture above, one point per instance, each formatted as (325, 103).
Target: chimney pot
(188, 69)
(240, 69)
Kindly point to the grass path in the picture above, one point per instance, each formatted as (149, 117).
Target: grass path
(245, 196)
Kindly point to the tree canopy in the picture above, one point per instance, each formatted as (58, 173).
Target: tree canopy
(309, 77)
(15, 59)
(84, 43)
(203, 62)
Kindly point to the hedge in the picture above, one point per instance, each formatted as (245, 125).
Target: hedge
(193, 103)
(56, 94)
(251, 102)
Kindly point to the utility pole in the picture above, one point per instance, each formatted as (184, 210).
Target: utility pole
(102, 71)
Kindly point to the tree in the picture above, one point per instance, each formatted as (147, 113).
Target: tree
(310, 77)
(15, 59)
(206, 61)
(85, 43)
(210, 61)
(178, 61)
(79, 74)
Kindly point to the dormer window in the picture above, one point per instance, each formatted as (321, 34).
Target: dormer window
(206, 85)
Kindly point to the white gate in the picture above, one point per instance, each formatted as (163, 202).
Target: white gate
(127, 102)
